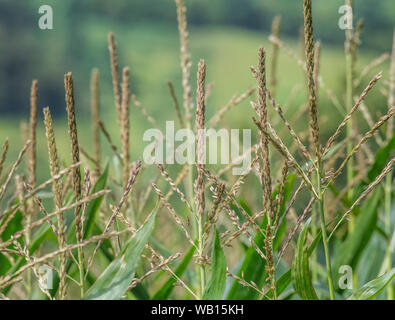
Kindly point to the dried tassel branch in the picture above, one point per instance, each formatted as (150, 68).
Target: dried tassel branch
(143, 110)
(176, 104)
(353, 109)
(13, 168)
(367, 135)
(173, 186)
(264, 145)
(265, 170)
(109, 140)
(279, 145)
(75, 152)
(185, 58)
(131, 181)
(274, 56)
(40, 205)
(299, 143)
(3, 155)
(31, 166)
(115, 74)
(125, 125)
(234, 101)
(172, 212)
(309, 49)
(200, 136)
(95, 115)
(62, 210)
(200, 151)
(317, 65)
(376, 62)
(369, 120)
(387, 169)
(57, 192)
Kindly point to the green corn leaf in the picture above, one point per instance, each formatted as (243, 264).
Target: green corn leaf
(165, 291)
(253, 266)
(371, 290)
(14, 225)
(117, 277)
(300, 271)
(381, 159)
(91, 212)
(139, 291)
(285, 279)
(40, 236)
(216, 284)
(350, 251)
(93, 207)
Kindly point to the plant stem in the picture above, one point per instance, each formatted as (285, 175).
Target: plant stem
(314, 253)
(201, 266)
(29, 272)
(349, 105)
(387, 221)
(321, 210)
(81, 270)
(196, 226)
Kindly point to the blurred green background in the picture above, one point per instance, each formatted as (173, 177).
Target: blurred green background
(226, 33)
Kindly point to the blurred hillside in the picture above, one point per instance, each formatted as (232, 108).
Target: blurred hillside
(78, 41)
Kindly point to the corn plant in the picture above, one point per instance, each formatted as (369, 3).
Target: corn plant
(304, 213)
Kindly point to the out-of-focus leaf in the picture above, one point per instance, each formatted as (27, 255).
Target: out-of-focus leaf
(165, 291)
(216, 284)
(300, 271)
(242, 203)
(13, 226)
(253, 266)
(117, 277)
(139, 291)
(93, 206)
(372, 289)
(381, 159)
(92, 209)
(349, 252)
(285, 279)
(91, 212)
(40, 236)
(5, 264)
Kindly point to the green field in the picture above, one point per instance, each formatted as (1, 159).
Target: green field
(152, 53)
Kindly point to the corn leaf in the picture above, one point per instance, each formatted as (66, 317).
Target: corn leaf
(216, 284)
(300, 271)
(285, 279)
(371, 290)
(253, 266)
(91, 212)
(117, 277)
(381, 159)
(350, 251)
(93, 206)
(165, 291)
